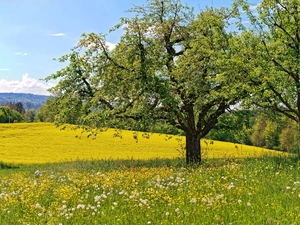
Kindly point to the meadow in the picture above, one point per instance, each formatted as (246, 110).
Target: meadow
(140, 186)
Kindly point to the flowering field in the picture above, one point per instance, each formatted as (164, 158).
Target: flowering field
(249, 191)
(56, 186)
(38, 143)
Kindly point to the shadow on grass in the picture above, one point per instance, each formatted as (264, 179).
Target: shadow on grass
(8, 166)
(113, 164)
(121, 164)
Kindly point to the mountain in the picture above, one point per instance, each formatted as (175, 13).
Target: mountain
(29, 101)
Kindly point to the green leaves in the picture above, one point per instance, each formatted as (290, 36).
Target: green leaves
(169, 67)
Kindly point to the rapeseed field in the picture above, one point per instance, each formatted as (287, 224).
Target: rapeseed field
(38, 143)
(63, 180)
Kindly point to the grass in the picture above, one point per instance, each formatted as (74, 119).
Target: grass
(220, 191)
(252, 188)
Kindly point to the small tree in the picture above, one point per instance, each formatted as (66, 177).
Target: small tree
(168, 66)
(47, 112)
(287, 139)
(29, 115)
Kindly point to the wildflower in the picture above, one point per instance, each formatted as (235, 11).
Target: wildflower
(38, 206)
(63, 207)
(219, 196)
(144, 201)
(193, 200)
(149, 222)
(97, 198)
(167, 213)
(239, 201)
(248, 204)
(230, 186)
(40, 214)
(80, 206)
(38, 173)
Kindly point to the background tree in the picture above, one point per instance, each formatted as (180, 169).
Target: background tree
(18, 106)
(257, 136)
(47, 112)
(275, 60)
(8, 115)
(235, 126)
(29, 115)
(168, 67)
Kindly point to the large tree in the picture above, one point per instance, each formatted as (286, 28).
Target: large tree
(274, 71)
(169, 66)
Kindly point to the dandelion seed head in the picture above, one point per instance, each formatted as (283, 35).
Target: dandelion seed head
(193, 200)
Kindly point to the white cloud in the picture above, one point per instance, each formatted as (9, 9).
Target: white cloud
(58, 35)
(4, 69)
(21, 53)
(26, 85)
(110, 45)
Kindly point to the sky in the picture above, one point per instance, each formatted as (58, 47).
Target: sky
(34, 32)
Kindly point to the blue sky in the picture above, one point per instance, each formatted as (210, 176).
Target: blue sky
(33, 32)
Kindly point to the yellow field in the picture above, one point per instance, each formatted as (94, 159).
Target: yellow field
(38, 143)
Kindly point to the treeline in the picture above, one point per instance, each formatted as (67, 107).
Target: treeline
(12, 112)
(251, 127)
(257, 128)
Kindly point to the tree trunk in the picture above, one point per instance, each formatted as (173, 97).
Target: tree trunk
(193, 149)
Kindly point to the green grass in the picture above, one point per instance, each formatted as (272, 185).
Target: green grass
(162, 191)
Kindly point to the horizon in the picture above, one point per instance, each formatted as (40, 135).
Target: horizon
(35, 32)
(19, 93)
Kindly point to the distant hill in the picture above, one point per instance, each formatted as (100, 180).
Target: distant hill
(29, 101)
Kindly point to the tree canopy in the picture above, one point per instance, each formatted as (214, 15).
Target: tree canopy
(273, 64)
(169, 65)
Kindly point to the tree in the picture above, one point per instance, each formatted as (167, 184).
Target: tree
(257, 136)
(8, 115)
(16, 106)
(287, 138)
(275, 66)
(271, 134)
(47, 112)
(169, 66)
(288, 135)
(29, 115)
(234, 126)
